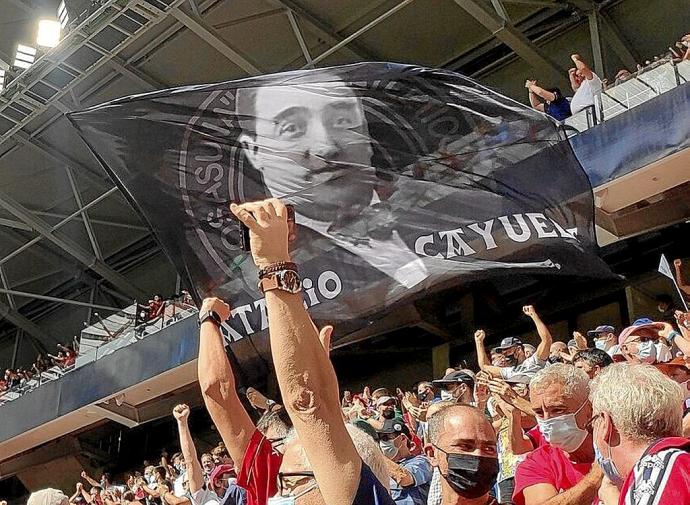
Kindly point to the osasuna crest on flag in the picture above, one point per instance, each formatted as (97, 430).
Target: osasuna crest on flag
(404, 179)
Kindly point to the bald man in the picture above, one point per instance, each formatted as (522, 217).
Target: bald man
(463, 448)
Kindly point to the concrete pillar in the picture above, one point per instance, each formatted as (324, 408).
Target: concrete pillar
(440, 359)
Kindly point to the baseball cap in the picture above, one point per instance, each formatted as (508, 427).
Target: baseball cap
(48, 496)
(393, 426)
(650, 329)
(219, 471)
(641, 321)
(457, 376)
(603, 328)
(507, 343)
(383, 399)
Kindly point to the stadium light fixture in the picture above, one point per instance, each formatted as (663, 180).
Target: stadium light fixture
(63, 17)
(48, 33)
(25, 56)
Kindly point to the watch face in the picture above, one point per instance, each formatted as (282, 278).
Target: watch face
(290, 281)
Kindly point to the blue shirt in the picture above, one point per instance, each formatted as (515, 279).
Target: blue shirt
(559, 109)
(370, 490)
(416, 494)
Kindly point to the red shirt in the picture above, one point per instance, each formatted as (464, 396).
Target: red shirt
(536, 437)
(547, 465)
(259, 472)
(661, 476)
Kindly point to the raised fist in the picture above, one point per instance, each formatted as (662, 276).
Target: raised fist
(218, 306)
(529, 310)
(181, 412)
(479, 335)
(677, 263)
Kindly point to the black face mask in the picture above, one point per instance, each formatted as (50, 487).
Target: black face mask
(388, 414)
(470, 476)
(423, 396)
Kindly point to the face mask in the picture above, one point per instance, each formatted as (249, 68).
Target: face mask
(663, 353)
(150, 479)
(608, 466)
(423, 396)
(511, 360)
(447, 395)
(600, 344)
(389, 448)
(289, 500)
(647, 352)
(470, 476)
(563, 431)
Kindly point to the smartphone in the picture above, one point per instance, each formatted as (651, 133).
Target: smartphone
(245, 244)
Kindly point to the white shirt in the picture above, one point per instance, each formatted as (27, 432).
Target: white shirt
(528, 367)
(584, 96)
(205, 497)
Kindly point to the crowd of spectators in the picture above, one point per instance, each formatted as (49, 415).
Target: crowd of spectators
(586, 84)
(66, 355)
(602, 418)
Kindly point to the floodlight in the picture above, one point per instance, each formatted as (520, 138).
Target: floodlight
(63, 16)
(25, 56)
(48, 33)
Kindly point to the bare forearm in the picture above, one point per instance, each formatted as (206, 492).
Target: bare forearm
(400, 475)
(517, 442)
(583, 492)
(533, 100)
(545, 335)
(194, 472)
(217, 384)
(171, 499)
(541, 92)
(482, 357)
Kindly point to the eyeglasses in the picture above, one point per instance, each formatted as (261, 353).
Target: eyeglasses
(288, 481)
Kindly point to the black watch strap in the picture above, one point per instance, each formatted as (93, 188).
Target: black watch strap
(210, 315)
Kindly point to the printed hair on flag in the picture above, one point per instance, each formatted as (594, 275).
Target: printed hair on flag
(403, 179)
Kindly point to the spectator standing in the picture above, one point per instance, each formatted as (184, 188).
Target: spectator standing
(592, 361)
(463, 448)
(410, 474)
(555, 104)
(637, 431)
(563, 466)
(306, 378)
(585, 83)
(457, 386)
(514, 352)
(604, 338)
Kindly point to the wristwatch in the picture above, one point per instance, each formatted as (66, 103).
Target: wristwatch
(211, 315)
(285, 280)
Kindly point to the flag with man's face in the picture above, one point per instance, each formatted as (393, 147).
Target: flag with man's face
(404, 180)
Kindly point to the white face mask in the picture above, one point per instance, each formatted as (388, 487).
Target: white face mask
(563, 432)
(600, 344)
(647, 352)
(390, 450)
(446, 395)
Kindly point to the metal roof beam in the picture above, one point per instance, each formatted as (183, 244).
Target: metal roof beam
(84, 214)
(323, 29)
(513, 38)
(209, 35)
(33, 331)
(67, 301)
(300, 39)
(70, 247)
(361, 31)
(595, 37)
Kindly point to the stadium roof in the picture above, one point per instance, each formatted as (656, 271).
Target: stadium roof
(66, 232)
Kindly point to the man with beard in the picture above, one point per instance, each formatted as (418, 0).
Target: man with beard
(514, 351)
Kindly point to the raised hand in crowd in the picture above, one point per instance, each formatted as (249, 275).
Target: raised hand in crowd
(306, 377)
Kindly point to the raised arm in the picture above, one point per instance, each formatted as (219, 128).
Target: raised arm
(678, 264)
(305, 374)
(539, 91)
(544, 334)
(88, 479)
(482, 357)
(582, 67)
(583, 492)
(217, 384)
(194, 472)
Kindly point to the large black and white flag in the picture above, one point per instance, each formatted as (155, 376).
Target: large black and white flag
(403, 179)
